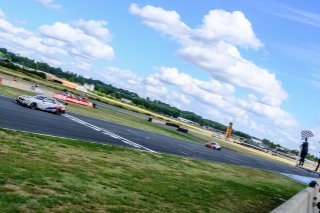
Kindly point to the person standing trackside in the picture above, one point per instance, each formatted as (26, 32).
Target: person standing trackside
(317, 165)
(304, 152)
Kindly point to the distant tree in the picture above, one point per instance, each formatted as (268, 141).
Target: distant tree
(295, 152)
(311, 157)
(270, 144)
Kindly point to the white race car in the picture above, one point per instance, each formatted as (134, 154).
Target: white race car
(42, 102)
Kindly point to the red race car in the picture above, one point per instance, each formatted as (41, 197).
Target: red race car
(213, 145)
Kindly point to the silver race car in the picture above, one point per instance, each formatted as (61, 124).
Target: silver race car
(43, 103)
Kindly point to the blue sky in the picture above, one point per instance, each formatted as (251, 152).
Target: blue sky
(250, 62)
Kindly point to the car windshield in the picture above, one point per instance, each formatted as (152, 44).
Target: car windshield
(39, 97)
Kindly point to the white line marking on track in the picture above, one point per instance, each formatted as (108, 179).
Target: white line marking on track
(110, 134)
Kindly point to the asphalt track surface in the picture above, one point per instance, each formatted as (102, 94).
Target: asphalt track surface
(75, 126)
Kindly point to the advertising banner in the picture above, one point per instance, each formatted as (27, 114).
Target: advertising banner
(71, 99)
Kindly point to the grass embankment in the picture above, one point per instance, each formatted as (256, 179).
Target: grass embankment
(105, 114)
(13, 92)
(47, 174)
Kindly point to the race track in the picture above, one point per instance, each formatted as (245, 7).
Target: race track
(75, 126)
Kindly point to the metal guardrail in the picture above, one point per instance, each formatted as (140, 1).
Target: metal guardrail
(305, 201)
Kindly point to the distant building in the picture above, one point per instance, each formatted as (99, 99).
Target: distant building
(126, 101)
(66, 83)
(257, 141)
(28, 68)
(187, 121)
(283, 150)
(3, 59)
(19, 65)
(209, 128)
(81, 88)
(89, 87)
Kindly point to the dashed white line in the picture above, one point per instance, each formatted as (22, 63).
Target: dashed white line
(110, 134)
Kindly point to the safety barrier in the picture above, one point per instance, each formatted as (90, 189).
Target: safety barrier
(72, 99)
(156, 121)
(304, 202)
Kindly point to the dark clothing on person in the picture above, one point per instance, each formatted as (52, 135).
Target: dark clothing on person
(302, 157)
(304, 152)
(317, 165)
(304, 147)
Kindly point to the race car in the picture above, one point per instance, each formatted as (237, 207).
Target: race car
(42, 102)
(213, 145)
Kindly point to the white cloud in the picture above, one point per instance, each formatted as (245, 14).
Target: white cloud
(7, 27)
(297, 15)
(18, 37)
(121, 78)
(222, 63)
(50, 4)
(77, 43)
(80, 43)
(51, 61)
(35, 43)
(231, 27)
(82, 65)
(164, 21)
(53, 42)
(147, 87)
(190, 86)
(188, 83)
(220, 95)
(2, 15)
(94, 28)
(213, 47)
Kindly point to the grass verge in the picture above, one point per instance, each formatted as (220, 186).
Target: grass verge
(47, 174)
(13, 92)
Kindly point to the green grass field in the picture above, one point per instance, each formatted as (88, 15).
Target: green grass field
(13, 92)
(46, 174)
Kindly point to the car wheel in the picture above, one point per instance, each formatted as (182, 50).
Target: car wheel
(58, 112)
(33, 106)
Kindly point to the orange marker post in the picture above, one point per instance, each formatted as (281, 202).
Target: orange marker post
(229, 131)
